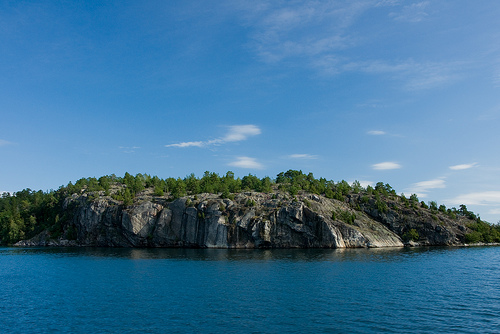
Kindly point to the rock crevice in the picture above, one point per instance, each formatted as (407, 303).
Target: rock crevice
(250, 220)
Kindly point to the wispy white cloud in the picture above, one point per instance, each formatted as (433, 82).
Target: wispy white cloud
(376, 133)
(241, 132)
(388, 165)
(372, 104)
(432, 75)
(478, 198)
(415, 12)
(387, 3)
(495, 211)
(188, 144)
(246, 162)
(365, 183)
(306, 30)
(417, 76)
(422, 188)
(492, 113)
(5, 142)
(463, 166)
(128, 149)
(235, 133)
(302, 156)
(317, 34)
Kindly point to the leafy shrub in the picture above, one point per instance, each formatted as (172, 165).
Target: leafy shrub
(473, 237)
(347, 217)
(329, 193)
(405, 201)
(411, 235)
(339, 196)
(483, 232)
(158, 191)
(381, 206)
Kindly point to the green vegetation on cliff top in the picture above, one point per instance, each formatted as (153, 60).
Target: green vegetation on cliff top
(27, 213)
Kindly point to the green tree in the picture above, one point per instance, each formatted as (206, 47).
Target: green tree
(179, 189)
(380, 188)
(356, 187)
(128, 198)
(192, 184)
(210, 183)
(343, 188)
(158, 190)
(266, 184)
(105, 183)
(128, 180)
(250, 182)
(405, 200)
(93, 184)
(233, 185)
(411, 235)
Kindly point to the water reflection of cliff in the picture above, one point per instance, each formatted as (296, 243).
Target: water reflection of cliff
(186, 254)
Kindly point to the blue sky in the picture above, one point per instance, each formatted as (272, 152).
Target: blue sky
(404, 92)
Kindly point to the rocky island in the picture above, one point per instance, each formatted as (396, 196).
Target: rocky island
(293, 211)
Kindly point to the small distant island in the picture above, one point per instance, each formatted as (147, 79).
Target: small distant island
(294, 210)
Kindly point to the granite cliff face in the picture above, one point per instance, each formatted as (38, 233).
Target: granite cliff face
(250, 220)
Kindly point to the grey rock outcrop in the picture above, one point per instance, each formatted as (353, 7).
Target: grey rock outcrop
(250, 220)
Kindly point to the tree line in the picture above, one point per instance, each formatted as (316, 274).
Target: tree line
(27, 212)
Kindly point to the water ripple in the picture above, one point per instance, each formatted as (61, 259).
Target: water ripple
(446, 290)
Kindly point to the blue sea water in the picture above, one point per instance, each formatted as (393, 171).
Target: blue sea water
(103, 290)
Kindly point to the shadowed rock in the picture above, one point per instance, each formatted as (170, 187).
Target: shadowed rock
(250, 220)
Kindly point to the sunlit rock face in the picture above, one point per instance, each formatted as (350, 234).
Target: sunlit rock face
(249, 220)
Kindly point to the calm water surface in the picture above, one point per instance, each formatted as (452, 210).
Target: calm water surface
(95, 290)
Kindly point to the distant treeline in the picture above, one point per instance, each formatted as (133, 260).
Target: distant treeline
(27, 212)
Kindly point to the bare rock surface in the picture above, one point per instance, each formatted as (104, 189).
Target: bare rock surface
(249, 220)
